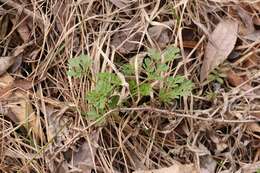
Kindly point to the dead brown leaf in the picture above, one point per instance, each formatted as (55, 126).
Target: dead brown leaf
(222, 42)
(122, 3)
(5, 63)
(6, 80)
(84, 158)
(126, 42)
(254, 36)
(22, 108)
(208, 164)
(4, 21)
(22, 28)
(176, 168)
(256, 20)
(161, 33)
(248, 26)
(235, 80)
(255, 127)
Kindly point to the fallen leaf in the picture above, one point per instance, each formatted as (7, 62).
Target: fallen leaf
(256, 20)
(6, 80)
(255, 127)
(176, 168)
(83, 158)
(248, 25)
(254, 36)
(4, 21)
(208, 164)
(233, 78)
(122, 3)
(160, 33)
(22, 28)
(251, 62)
(222, 42)
(5, 63)
(127, 39)
(22, 108)
(126, 42)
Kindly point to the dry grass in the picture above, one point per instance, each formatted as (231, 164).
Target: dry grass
(217, 121)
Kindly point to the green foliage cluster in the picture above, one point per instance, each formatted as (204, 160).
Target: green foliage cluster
(105, 95)
(79, 66)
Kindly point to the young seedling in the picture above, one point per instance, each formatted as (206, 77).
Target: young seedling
(105, 95)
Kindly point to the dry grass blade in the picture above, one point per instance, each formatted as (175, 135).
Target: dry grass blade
(177, 168)
(222, 42)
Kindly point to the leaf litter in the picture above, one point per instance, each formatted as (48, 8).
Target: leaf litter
(222, 41)
(44, 119)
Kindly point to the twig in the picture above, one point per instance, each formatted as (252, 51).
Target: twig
(218, 120)
(166, 112)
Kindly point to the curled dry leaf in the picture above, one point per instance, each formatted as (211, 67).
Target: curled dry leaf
(176, 168)
(222, 42)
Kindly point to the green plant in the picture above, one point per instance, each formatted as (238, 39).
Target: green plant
(79, 66)
(174, 88)
(155, 66)
(216, 76)
(156, 69)
(103, 97)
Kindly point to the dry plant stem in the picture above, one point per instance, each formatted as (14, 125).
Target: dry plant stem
(185, 115)
(150, 109)
(26, 11)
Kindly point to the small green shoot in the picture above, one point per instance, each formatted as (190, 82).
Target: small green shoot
(216, 76)
(79, 66)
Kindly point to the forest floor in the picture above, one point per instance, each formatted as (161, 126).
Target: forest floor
(122, 86)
